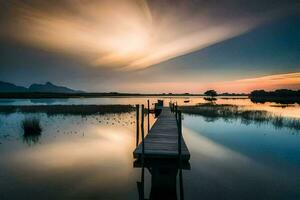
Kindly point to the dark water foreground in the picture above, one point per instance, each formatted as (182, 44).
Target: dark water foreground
(90, 157)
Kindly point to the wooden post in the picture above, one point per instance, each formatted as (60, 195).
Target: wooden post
(176, 112)
(141, 185)
(142, 129)
(181, 184)
(143, 153)
(179, 154)
(171, 104)
(148, 115)
(179, 135)
(142, 197)
(137, 124)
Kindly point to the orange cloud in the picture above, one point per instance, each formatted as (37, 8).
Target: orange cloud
(126, 34)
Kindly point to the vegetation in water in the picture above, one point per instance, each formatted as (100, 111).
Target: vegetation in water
(68, 109)
(32, 130)
(31, 126)
(228, 111)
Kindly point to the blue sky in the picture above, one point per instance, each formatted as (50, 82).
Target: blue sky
(269, 49)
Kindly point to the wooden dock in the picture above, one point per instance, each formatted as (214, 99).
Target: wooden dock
(163, 140)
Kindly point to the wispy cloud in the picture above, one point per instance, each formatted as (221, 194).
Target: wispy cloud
(129, 34)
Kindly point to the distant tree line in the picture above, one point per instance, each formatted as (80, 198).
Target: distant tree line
(282, 93)
(232, 94)
(282, 96)
(213, 93)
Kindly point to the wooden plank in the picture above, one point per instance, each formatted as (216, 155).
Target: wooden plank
(162, 139)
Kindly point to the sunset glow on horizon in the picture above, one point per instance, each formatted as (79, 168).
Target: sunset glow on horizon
(268, 83)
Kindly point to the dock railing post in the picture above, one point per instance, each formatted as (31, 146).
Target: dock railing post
(143, 149)
(137, 124)
(179, 134)
(176, 112)
(142, 196)
(148, 102)
(142, 129)
(171, 104)
(179, 155)
(173, 107)
(181, 184)
(142, 186)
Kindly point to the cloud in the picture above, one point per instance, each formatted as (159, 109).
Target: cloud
(130, 34)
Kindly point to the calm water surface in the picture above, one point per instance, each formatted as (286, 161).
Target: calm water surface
(78, 157)
(291, 110)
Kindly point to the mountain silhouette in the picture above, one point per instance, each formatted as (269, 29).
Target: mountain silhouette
(48, 87)
(9, 87)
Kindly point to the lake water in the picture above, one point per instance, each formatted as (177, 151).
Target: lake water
(290, 110)
(90, 157)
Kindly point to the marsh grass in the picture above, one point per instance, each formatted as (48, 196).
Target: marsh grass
(68, 109)
(31, 126)
(227, 111)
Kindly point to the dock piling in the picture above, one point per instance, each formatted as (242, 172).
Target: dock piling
(142, 130)
(137, 124)
(179, 134)
(148, 115)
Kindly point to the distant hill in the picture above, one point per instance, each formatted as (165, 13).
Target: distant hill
(51, 88)
(9, 87)
(48, 87)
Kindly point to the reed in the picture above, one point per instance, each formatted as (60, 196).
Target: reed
(227, 111)
(31, 126)
(68, 109)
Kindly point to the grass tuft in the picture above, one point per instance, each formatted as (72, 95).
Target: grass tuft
(31, 126)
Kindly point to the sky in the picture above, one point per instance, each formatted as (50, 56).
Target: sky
(151, 46)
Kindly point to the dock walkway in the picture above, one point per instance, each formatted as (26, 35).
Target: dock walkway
(162, 139)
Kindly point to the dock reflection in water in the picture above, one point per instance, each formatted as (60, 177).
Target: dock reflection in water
(164, 175)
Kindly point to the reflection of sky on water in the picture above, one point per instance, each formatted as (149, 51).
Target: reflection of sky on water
(81, 156)
(263, 141)
(91, 157)
(239, 166)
